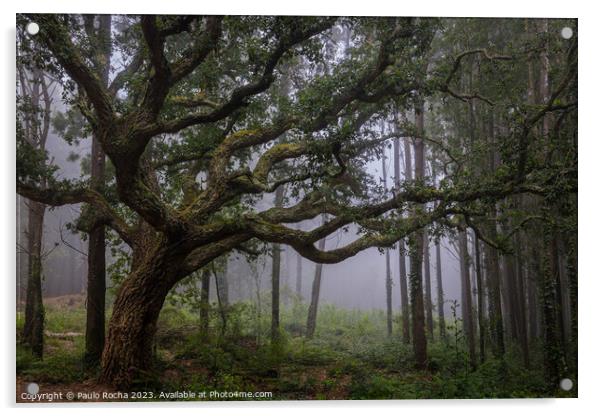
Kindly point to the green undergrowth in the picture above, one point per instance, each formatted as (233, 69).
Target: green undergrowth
(350, 357)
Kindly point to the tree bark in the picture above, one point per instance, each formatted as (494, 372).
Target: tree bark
(389, 293)
(416, 241)
(299, 281)
(204, 306)
(275, 328)
(496, 325)
(554, 355)
(312, 314)
(388, 280)
(511, 295)
(532, 306)
(467, 298)
(405, 303)
(127, 357)
(521, 303)
(33, 330)
(573, 292)
(221, 292)
(96, 288)
(36, 134)
(223, 285)
(480, 298)
(403, 283)
(440, 297)
(554, 363)
(428, 304)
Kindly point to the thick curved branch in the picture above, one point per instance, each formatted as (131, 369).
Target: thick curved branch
(303, 242)
(158, 85)
(314, 204)
(204, 255)
(105, 214)
(241, 94)
(124, 75)
(193, 57)
(219, 189)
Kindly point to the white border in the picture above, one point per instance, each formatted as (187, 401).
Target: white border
(590, 288)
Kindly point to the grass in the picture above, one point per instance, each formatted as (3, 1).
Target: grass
(350, 357)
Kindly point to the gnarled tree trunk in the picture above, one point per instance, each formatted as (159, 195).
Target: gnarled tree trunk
(127, 356)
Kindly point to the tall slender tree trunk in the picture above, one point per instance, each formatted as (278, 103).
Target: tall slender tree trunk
(428, 304)
(477, 167)
(257, 287)
(204, 307)
(417, 301)
(389, 290)
(572, 281)
(511, 294)
(440, 297)
(496, 323)
(403, 283)
(554, 363)
(36, 126)
(388, 279)
(532, 306)
(463, 290)
(275, 328)
(480, 298)
(33, 330)
(521, 303)
(405, 303)
(284, 90)
(554, 355)
(467, 298)
(96, 287)
(299, 282)
(221, 292)
(408, 176)
(562, 298)
(416, 241)
(532, 275)
(223, 285)
(312, 313)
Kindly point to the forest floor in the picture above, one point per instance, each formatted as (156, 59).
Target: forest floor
(349, 358)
